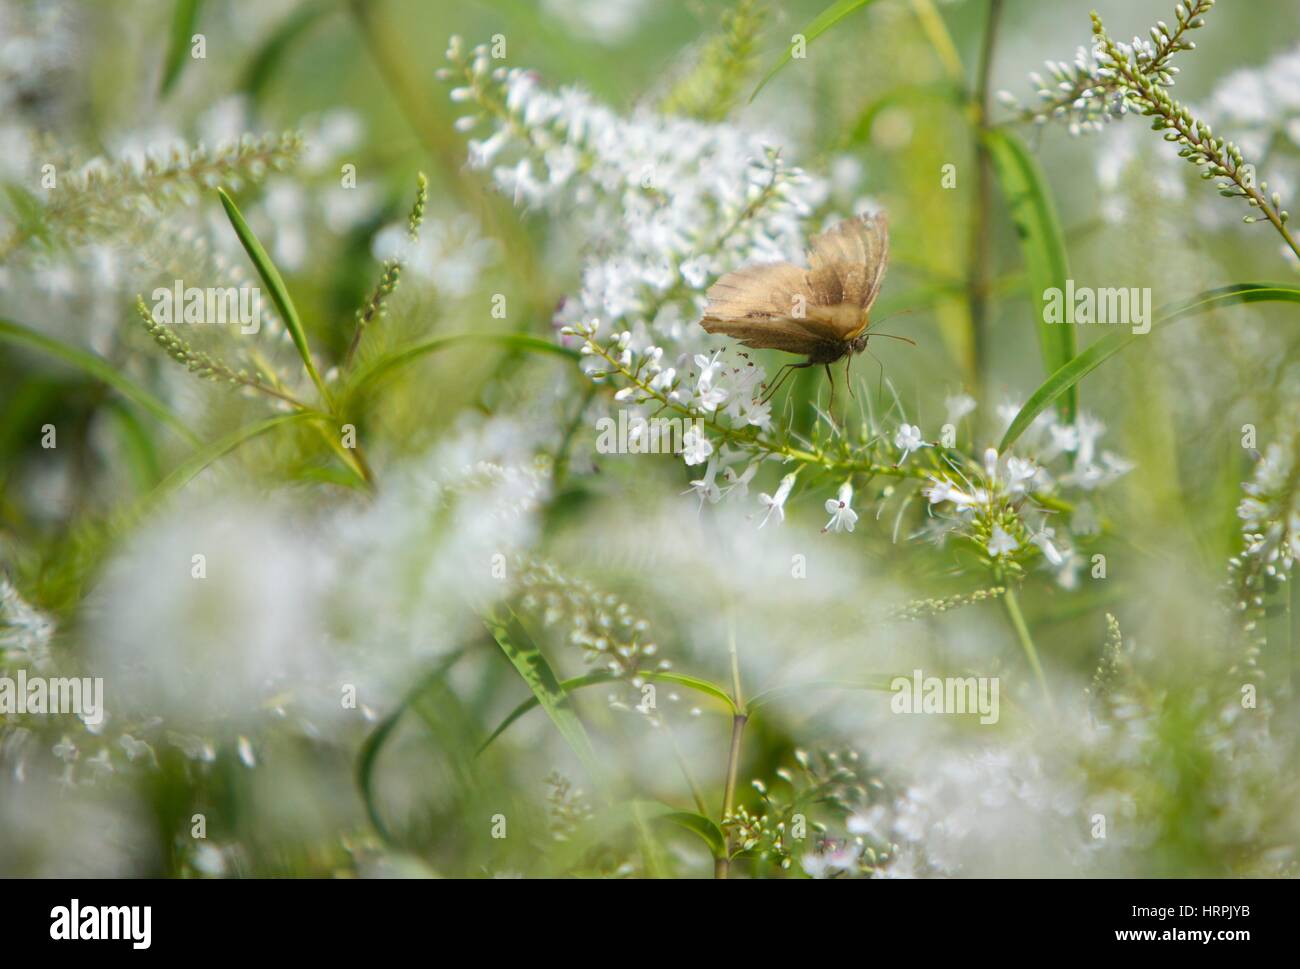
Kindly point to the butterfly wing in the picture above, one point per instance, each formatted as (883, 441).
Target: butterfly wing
(762, 306)
(849, 260)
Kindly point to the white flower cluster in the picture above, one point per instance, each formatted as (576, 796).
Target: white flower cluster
(667, 204)
(23, 629)
(1270, 512)
(987, 504)
(1083, 93)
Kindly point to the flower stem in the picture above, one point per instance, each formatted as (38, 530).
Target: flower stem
(722, 865)
(977, 285)
(1012, 604)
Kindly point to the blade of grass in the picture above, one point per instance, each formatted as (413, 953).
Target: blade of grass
(1042, 245)
(136, 446)
(271, 54)
(595, 679)
(377, 368)
(97, 367)
(185, 16)
(527, 659)
(879, 683)
(1105, 348)
(368, 758)
(824, 21)
(210, 453)
(279, 292)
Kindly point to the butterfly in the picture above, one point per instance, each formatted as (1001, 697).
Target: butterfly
(821, 311)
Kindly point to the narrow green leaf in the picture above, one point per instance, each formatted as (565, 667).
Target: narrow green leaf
(218, 449)
(824, 21)
(1105, 348)
(137, 448)
(524, 653)
(603, 676)
(271, 54)
(185, 16)
(1042, 245)
(695, 683)
(279, 292)
(368, 758)
(375, 369)
(97, 367)
(874, 683)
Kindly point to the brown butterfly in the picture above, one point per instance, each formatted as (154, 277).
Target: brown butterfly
(821, 311)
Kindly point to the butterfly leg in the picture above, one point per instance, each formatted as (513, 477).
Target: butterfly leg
(848, 362)
(781, 377)
(831, 377)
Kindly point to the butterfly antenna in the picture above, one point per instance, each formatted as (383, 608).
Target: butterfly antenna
(890, 316)
(895, 336)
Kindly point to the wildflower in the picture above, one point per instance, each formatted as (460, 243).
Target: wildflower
(843, 518)
(707, 487)
(941, 489)
(696, 448)
(908, 439)
(958, 406)
(776, 503)
(1001, 543)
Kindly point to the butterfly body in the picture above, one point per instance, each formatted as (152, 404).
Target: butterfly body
(820, 312)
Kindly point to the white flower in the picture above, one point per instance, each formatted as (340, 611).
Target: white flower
(941, 490)
(908, 439)
(709, 397)
(831, 858)
(843, 518)
(696, 448)
(1044, 542)
(1000, 543)
(709, 367)
(776, 502)
(958, 406)
(707, 487)
(1019, 473)
(663, 380)
(740, 483)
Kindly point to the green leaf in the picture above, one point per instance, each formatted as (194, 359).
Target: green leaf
(528, 661)
(827, 19)
(271, 54)
(874, 683)
(706, 828)
(219, 448)
(185, 16)
(1105, 348)
(381, 366)
(97, 367)
(368, 758)
(136, 447)
(1042, 245)
(603, 676)
(279, 292)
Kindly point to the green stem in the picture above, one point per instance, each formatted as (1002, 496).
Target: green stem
(722, 866)
(1012, 604)
(980, 263)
